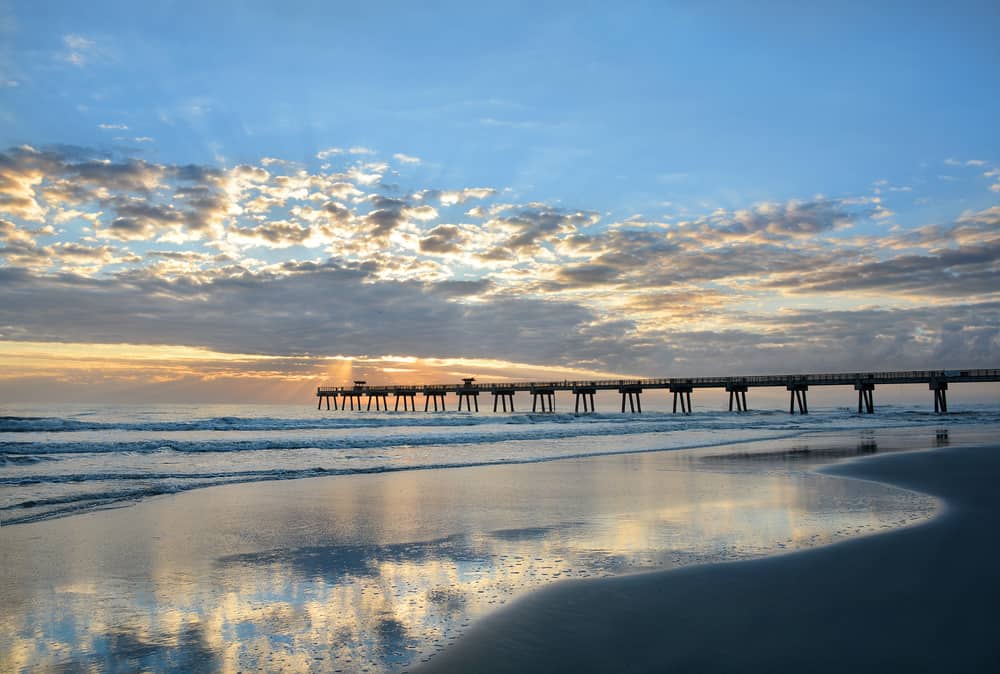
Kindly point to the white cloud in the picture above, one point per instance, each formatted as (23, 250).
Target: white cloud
(80, 50)
(406, 159)
(113, 127)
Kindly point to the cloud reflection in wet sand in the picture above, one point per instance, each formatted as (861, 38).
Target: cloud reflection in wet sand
(368, 599)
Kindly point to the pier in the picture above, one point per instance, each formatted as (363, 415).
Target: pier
(543, 394)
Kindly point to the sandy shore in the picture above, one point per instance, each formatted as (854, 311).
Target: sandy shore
(923, 599)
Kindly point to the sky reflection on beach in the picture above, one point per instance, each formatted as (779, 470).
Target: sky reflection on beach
(374, 573)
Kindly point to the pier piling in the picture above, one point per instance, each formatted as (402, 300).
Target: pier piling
(682, 392)
(737, 392)
(630, 394)
(582, 393)
(940, 388)
(503, 396)
(797, 396)
(866, 398)
(543, 395)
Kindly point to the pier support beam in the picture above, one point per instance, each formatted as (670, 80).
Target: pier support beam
(630, 394)
(469, 398)
(543, 395)
(797, 395)
(682, 392)
(381, 401)
(940, 388)
(436, 396)
(503, 396)
(737, 392)
(866, 398)
(582, 394)
(409, 401)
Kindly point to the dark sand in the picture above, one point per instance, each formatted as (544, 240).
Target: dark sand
(923, 599)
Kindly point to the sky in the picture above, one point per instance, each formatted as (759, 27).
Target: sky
(242, 201)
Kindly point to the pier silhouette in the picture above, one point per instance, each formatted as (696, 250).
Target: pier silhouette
(543, 393)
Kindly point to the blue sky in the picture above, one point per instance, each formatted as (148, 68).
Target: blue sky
(622, 107)
(834, 120)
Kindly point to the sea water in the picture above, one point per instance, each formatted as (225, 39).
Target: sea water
(100, 456)
(412, 527)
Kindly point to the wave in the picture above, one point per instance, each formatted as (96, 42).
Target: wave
(19, 424)
(453, 419)
(72, 503)
(112, 465)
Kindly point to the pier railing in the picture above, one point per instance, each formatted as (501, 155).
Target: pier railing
(796, 384)
(824, 379)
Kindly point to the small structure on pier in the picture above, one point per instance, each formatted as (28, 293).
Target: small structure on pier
(352, 395)
(468, 394)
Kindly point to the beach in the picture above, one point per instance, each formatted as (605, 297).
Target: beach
(560, 563)
(922, 599)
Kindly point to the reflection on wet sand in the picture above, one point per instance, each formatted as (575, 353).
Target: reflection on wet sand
(348, 576)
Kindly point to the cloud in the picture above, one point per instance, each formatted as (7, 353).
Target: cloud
(405, 158)
(276, 234)
(443, 239)
(342, 253)
(510, 124)
(539, 223)
(781, 220)
(119, 127)
(82, 51)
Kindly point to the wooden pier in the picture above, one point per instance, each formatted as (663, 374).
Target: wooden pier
(543, 393)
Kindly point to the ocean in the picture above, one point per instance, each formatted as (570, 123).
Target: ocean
(101, 456)
(407, 528)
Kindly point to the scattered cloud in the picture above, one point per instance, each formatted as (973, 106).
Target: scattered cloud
(82, 51)
(99, 243)
(406, 159)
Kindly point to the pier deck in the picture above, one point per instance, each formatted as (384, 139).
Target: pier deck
(630, 389)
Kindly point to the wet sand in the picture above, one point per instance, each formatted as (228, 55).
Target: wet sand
(921, 599)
